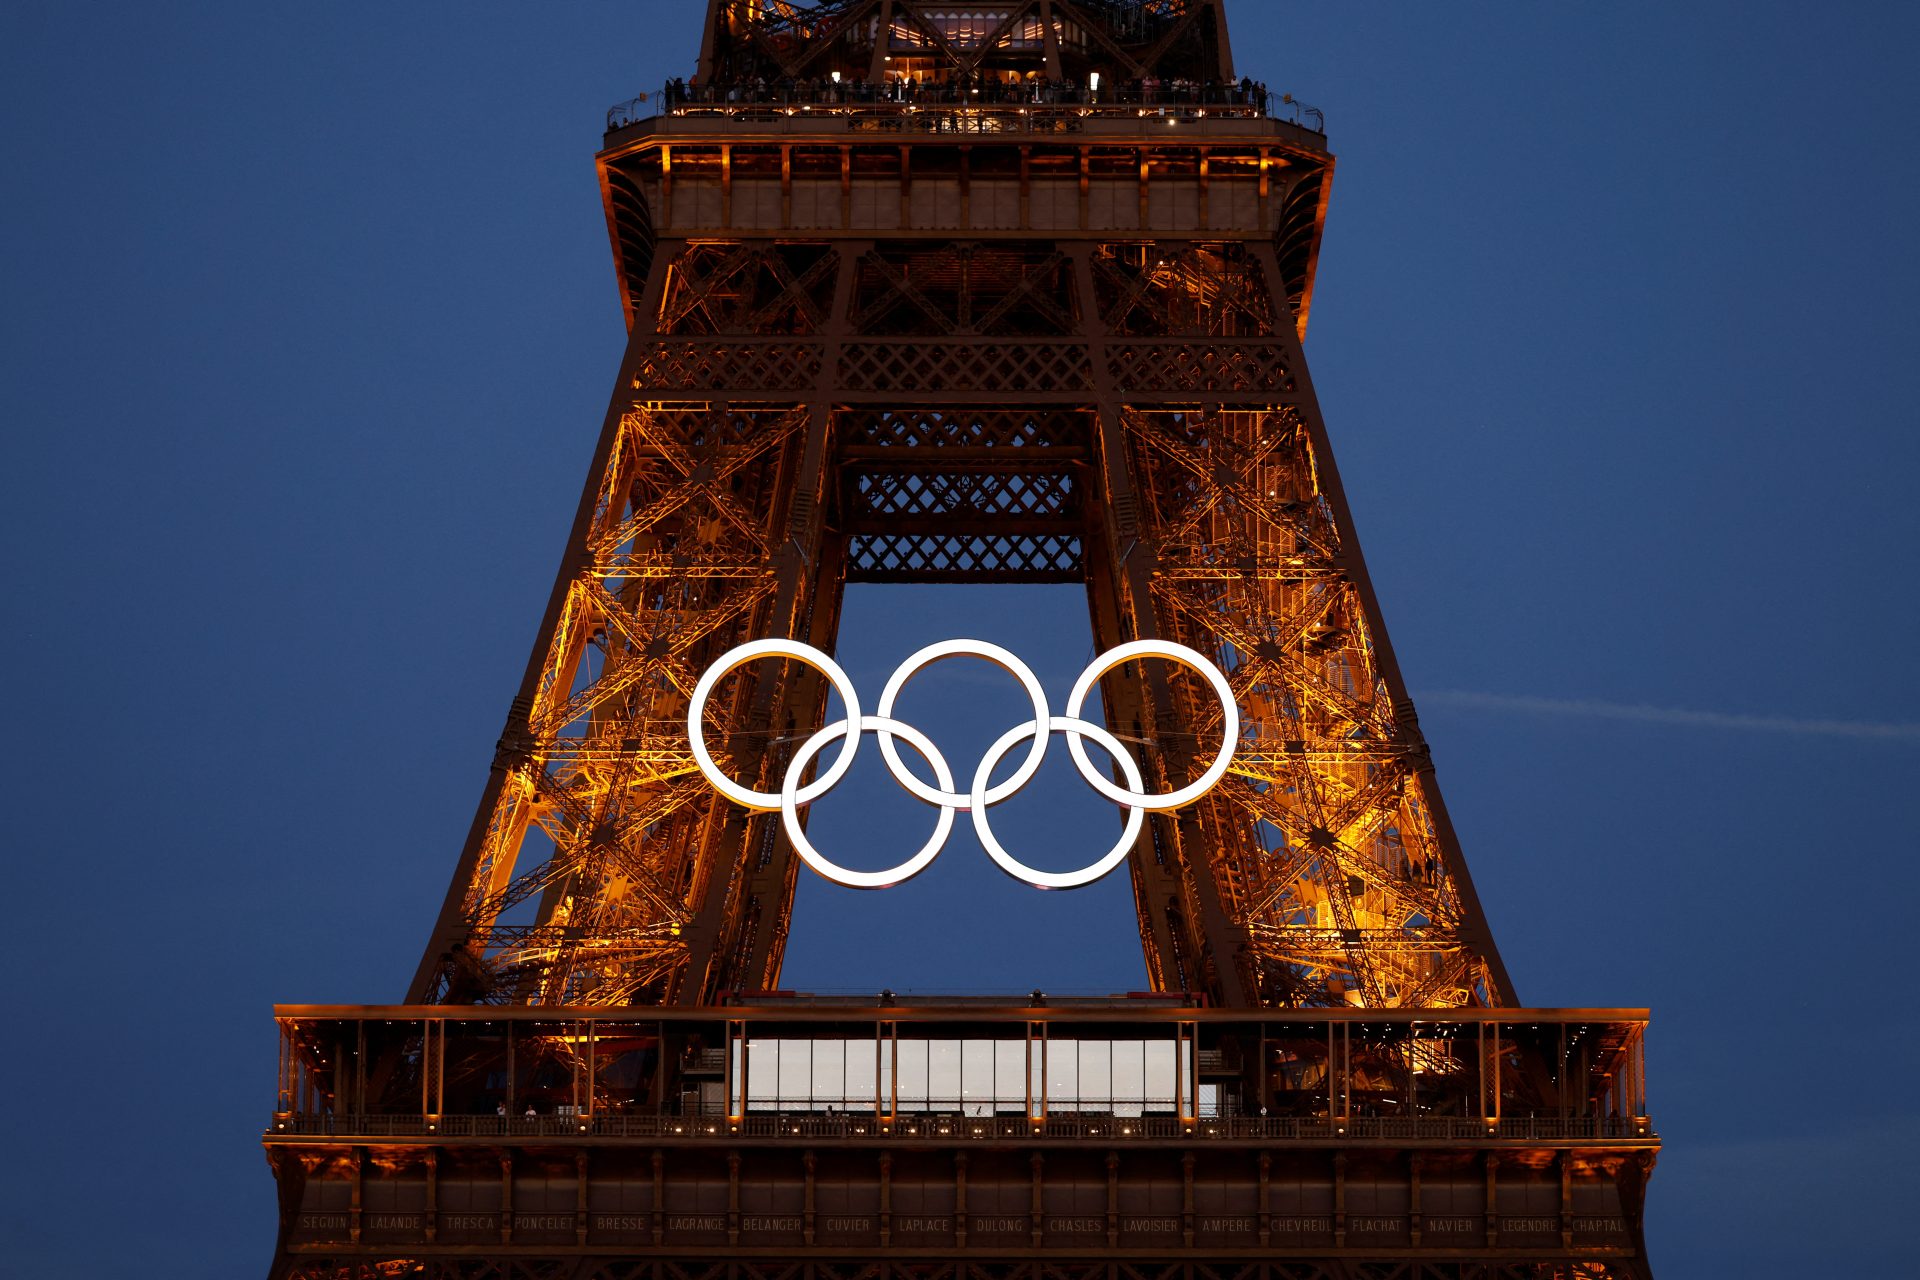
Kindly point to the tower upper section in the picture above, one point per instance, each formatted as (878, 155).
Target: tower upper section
(991, 120)
(976, 44)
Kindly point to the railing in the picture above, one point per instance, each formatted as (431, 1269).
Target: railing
(937, 109)
(933, 1126)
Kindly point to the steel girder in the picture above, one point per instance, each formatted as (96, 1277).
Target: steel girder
(795, 415)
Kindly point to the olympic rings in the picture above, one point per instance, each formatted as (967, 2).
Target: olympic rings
(790, 812)
(981, 795)
(696, 732)
(1136, 815)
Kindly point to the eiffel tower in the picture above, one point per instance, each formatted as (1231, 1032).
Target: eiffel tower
(917, 291)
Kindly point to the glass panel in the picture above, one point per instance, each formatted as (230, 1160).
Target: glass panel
(763, 1074)
(795, 1073)
(830, 1074)
(976, 1077)
(1010, 1075)
(943, 1075)
(862, 1082)
(1096, 1074)
(1161, 1087)
(1063, 1075)
(910, 1074)
(1129, 1076)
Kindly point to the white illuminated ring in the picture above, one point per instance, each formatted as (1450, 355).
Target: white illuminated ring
(983, 794)
(1075, 729)
(1001, 658)
(1229, 727)
(747, 797)
(790, 802)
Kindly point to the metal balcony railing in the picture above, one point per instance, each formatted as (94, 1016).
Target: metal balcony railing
(951, 1126)
(943, 109)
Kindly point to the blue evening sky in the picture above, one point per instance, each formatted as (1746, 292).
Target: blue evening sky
(307, 324)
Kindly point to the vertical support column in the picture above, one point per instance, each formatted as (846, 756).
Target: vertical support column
(786, 186)
(1340, 1200)
(733, 1198)
(1206, 163)
(960, 1199)
(581, 1219)
(846, 187)
(659, 1199)
(1113, 1199)
(906, 188)
(1480, 1041)
(359, 1187)
(1264, 1209)
(889, 1081)
(1037, 1206)
(1499, 1087)
(585, 1112)
(452, 930)
(1474, 930)
(1049, 41)
(882, 41)
(1026, 186)
(1493, 1199)
(734, 1077)
(966, 187)
(1146, 166)
(432, 1223)
(1565, 1161)
(809, 1196)
(1120, 560)
(757, 900)
(1560, 1099)
(506, 1197)
(1186, 1068)
(1333, 1096)
(1261, 1081)
(886, 1199)
(666, 194)
(1413, 1198)
(1186, 1198)
(657, 1087)
(1086, 183)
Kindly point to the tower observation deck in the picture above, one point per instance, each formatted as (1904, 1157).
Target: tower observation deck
(947, 293)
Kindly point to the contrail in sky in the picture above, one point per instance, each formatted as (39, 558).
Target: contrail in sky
(1669, 715)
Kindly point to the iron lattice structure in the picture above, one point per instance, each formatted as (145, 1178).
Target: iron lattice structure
(920, 292)
(980, 356)
(970, 45)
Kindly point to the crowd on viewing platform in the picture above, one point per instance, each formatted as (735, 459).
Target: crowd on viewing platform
(1243, 98)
